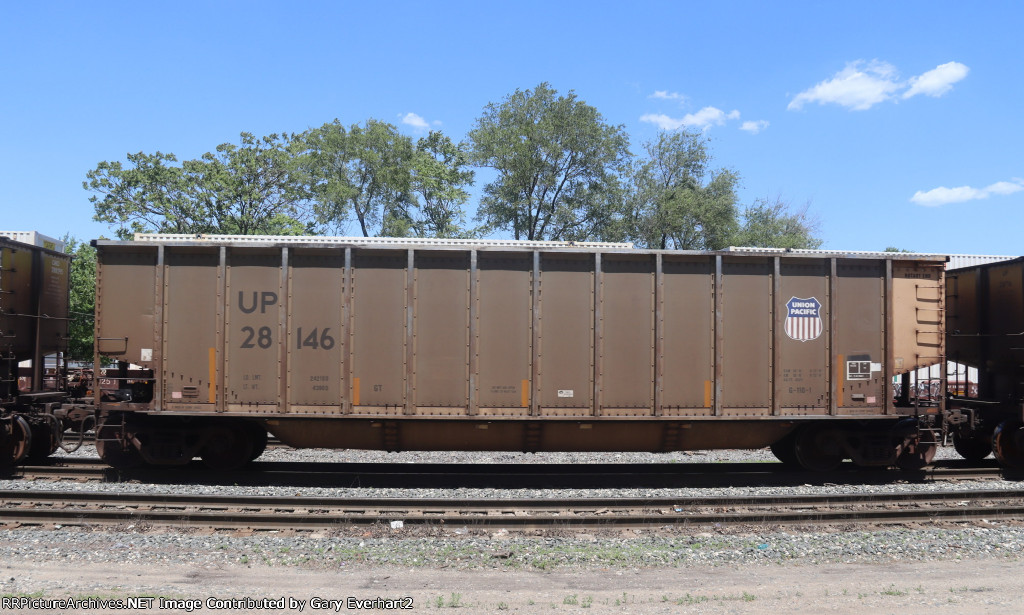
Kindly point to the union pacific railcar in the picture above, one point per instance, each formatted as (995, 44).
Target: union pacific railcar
(519, 347)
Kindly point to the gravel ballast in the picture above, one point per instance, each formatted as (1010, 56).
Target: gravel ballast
(413, 552)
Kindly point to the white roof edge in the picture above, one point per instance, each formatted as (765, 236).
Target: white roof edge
(956, 261)
(35, 238)
(398, 241)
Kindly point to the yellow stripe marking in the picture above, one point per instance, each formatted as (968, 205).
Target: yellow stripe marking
(525, 394)
(355, 391)
(707, 393)
(212, 389)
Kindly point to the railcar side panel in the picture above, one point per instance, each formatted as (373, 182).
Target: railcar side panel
(379, 332)
(441, 334)
(566, 335)
(687, 373)
(317, 368)
(746, 336)
(626, 331)
(254, 331)
(987, 326)
(504, 334)
(803, 333)
(191, 345)
(127, 304)
(859, 304)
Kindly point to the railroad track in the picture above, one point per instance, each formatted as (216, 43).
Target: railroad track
(398, 475)
(64, 508)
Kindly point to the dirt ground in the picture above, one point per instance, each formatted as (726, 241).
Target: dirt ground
(967, 587)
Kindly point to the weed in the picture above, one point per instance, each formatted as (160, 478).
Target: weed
(570, 600)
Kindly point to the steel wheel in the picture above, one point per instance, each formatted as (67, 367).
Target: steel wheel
(45, 440)
(974, 447)
(1008, 444)
(919, 453)
(21, 436)
(818, 449)
(113, 450)
(259, 441)
(785, 450)
(227, 449)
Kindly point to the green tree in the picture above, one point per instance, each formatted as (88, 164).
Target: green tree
(558, 165)
(440, 178)
(768, 224)
(676, 202)
(252, 188)
(362, 173)
(82, 299)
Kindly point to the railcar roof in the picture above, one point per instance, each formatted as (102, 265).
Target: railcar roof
(300, 241)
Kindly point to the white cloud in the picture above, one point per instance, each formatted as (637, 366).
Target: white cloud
(944, 196)
(703, 119)
(1003, 188)
(415, 121)
(754, 127)
(666, 95)
(862, 85)
(859, 86)
(937, 81)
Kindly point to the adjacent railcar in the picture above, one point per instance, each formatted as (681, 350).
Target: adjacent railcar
(540, 347)
(986, 331)
(34, 283)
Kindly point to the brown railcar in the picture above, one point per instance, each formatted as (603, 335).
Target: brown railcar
(33, 324)
(334, 343)
(986, 331)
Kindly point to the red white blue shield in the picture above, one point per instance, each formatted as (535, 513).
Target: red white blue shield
(803, 319)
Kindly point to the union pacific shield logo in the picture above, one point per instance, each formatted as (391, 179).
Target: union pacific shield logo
(803, 320)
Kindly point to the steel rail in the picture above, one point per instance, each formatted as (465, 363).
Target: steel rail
(264, 512)
(701, 474)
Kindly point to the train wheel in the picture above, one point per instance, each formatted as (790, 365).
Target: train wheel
(227, 449)
(21, 435)
(259, 442)
(785, 451)
(818, 449)
(1008, 444)
(974, 447)
(45, 440)
(113, 451)
(920, 452)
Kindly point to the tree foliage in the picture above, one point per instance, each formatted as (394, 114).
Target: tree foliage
(361, 173)
(558, 165)
(247, 189)
(773, 224)
(82, 299)
(561, 173)
(375, 177)
(441, 175)
(676, 201)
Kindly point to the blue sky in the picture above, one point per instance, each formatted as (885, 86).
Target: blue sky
(899, 122)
